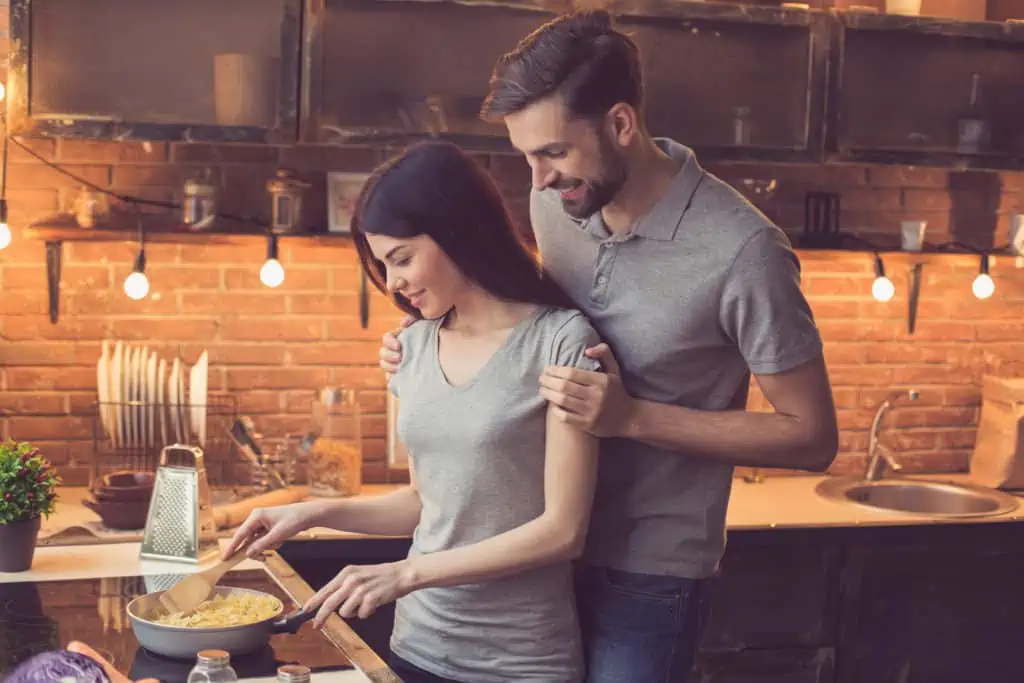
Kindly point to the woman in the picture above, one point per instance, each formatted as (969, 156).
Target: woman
(501, 487)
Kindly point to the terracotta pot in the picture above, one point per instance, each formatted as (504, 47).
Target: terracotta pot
(18, 544)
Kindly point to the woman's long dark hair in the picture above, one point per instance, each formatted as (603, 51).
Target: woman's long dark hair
(433, 188)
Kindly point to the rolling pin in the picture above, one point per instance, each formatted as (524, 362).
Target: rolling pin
(233, 514)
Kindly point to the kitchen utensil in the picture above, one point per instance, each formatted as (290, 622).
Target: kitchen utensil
(180, 524)
(125, 515)
(915, 290)
(183, 643)
(186, 595)
(821, 221)
(233, 514)
(125, 486)
(241, 433)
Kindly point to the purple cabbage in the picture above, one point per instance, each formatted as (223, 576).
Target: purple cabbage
(56, 666)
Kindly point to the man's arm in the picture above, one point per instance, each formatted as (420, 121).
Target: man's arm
(802, 432)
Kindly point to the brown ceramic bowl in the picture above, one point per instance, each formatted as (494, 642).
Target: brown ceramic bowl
(120, 514)
(125, 486)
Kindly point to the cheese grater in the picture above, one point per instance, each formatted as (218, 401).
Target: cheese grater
(180, 524)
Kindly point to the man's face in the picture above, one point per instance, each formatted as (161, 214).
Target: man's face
(579, 158)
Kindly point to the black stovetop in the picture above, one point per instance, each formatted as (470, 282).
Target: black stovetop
(46, 615)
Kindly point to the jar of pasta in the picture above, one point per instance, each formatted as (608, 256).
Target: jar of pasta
(335, 461)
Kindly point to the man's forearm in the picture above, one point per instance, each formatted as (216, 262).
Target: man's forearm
(734, 436)
(391, 514)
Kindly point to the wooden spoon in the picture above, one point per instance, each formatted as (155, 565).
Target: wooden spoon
(186, 595)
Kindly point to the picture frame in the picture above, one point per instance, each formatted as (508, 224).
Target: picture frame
(343, 189)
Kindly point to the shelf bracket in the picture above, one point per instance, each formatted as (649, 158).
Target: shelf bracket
(53, 262)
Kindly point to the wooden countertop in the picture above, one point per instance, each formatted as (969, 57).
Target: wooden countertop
(779, 502)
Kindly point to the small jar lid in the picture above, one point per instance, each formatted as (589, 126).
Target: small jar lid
(214, 657)
(293, 673)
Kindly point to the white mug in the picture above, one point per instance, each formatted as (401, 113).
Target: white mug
(912, 235)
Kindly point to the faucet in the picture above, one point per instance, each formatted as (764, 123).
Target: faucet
(878, 456)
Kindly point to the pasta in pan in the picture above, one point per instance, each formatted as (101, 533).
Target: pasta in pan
(235, 609)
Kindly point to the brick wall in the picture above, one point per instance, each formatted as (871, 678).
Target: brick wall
(274, 348)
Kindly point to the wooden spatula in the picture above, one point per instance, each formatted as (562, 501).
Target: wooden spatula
(186, 595)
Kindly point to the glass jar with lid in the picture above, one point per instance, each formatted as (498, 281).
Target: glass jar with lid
(336, 453)
(294, 673)
(212, 666)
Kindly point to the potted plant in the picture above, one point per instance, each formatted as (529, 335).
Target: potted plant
(28, 492)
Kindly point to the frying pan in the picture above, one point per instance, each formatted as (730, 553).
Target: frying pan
(181, 642)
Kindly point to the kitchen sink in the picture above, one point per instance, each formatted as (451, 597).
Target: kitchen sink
(919, 497)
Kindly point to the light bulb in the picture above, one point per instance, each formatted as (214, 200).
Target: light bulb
(136, 285)
(983, 286)
(883, 289)
(272, 273)
(5, 236)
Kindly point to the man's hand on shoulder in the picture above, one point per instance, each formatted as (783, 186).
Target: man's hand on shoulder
(596, 402)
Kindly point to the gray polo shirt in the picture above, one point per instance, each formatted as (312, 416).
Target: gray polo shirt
(701, 291)
(478, 451)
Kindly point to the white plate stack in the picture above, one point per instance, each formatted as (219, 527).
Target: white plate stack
(142, 397)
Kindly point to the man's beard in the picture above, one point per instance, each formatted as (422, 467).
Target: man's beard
(596, 194)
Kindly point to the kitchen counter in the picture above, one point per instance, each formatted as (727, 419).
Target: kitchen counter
(778, 502)
(113, 564)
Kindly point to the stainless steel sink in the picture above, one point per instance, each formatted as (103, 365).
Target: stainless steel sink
(919, 497)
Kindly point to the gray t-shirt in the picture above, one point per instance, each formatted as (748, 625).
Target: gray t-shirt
(478, 453)
(702, 290)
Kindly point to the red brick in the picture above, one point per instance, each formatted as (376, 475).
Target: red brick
(857, 330)
(330, 158)
(131, 175)
(903, 440)
(51, 378)
(335, 353)
(818, 285)
(34, 328)
(333, 304)
(233, 353)
(373, 401)
(845, 354)
(25, 403)
(834, 308)
(266, 303)
(252, 254)
(24, 303)
(295, 279)
(71, 149)
(962, 396)
(169, 278)
(987, 331)
(277, 426)
(163, 329)
(937, 417)
(275, 378)
(348, 328)
(907, 176)
(83, 404)
(860, 376)
(852, 419)
(44, 147)
(300, 401)
(942, 330)
(358, 377)
(38, 353)
(35, 175)
(871, 398)
(202, 153)
(926, 200)
(258, 402)
(116, 302)
(337, 253)
(929, 374)
(957, 439)
(280, 329)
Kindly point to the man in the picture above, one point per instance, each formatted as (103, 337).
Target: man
(693, 289)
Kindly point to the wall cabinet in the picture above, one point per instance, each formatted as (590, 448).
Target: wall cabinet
(736, 82)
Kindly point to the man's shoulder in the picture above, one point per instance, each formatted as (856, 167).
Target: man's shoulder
(730, 217)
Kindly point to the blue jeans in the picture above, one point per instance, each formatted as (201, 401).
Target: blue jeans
(639, 628)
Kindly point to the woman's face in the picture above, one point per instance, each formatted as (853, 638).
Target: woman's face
(420, 271)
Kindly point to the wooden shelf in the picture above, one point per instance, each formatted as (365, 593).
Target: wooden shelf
(1009, 31)
(159, 228)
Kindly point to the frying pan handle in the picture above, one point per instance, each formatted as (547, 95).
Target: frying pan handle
(293, 622)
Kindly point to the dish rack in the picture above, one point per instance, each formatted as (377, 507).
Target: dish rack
(140, 451)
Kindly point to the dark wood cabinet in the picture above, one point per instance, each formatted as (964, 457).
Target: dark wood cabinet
(927, 91)
(222, 70)
(916, 604)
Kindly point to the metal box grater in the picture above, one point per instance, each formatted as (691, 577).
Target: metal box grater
(180, 524)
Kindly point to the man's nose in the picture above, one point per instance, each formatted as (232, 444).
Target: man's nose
(543, 176)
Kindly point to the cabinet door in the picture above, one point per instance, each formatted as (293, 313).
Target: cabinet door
(736, 85)
(922, 91)
(379, 72)
(767, 666)
(185, 70)
(947, 613)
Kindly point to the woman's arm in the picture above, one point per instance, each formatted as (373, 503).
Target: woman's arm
(558, 533)
(392, 514)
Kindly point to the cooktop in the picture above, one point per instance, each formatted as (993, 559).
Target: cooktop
(46, 615)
